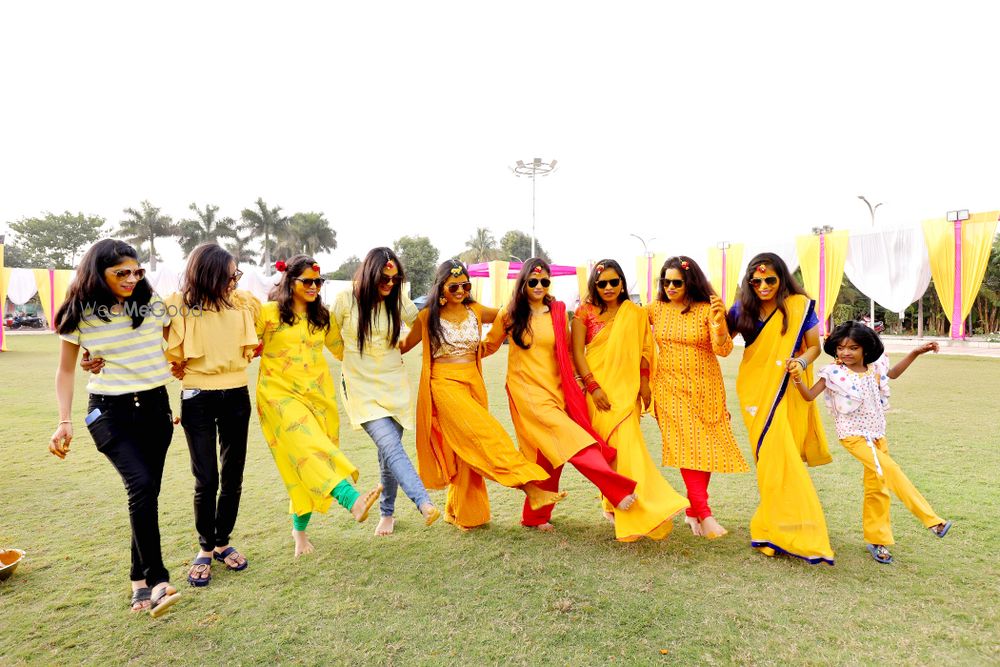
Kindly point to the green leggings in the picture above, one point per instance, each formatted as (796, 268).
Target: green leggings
(344, 493)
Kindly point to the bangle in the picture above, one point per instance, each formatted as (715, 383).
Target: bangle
(66, 421)
(592, 387)
(587, 378)
(643, 372)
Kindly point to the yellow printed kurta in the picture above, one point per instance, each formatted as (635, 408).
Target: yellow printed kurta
(614, 356)
(689, 397)
(298, 414)
(784, 431)
(534, 391)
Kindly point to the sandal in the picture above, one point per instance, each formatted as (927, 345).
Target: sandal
(941, 529)
(139, 596)
(231, 552)
(163, 600)
(880, 553)
(200, 565)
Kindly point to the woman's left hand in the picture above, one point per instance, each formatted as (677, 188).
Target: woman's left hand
(718, 310)
(794, 362)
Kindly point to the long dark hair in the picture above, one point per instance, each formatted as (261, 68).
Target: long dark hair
(445, 271)
(594, 294)
(207, 277)
(366, 281)
(696, 285)
(746, 320)
(319, 316)
(863, 335)
(89, 290)
(519, 310)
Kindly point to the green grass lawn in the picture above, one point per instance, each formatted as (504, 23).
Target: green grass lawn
(505, 594)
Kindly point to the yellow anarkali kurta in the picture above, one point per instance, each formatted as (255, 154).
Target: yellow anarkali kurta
(614, 355)
(689, 397)
(298, 414)
(784, 431)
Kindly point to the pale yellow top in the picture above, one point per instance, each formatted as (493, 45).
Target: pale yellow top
(217, 345)
(373, 385)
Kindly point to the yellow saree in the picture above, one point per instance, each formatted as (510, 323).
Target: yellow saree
(614, 356)
(784, 432)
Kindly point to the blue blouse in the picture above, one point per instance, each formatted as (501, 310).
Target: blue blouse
(811, 321)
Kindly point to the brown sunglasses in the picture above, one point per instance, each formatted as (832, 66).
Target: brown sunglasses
(454, 287)
(122, 274)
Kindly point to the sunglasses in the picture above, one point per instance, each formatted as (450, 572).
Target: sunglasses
(533, 282)
(465, 287)
(614, 282)
(309, 282)
(390, 280)
(770, 281)
(676, 282)
(235, 278)
(122, 274)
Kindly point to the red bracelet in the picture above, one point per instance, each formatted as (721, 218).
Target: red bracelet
(592, 386)
(644, 372)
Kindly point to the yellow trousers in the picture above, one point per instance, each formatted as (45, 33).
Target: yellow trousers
(883, 475)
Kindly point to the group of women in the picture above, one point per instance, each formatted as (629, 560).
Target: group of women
(576, 391)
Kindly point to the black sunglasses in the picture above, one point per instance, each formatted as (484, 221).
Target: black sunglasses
(614, 282)
(386, 280)
(125, 273)
(771, 281)
(454, 287)
(676, 282)
(309, 282)
(533, 282)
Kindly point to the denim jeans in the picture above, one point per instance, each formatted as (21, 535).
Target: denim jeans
(395, 465)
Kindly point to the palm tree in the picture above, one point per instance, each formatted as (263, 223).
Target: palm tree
(145, 225)
(481, 247)
(240, 248)
(266, 222)
(205, 228)
(310, 233)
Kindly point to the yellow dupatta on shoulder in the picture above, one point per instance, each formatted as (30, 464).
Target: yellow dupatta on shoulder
(614, 356)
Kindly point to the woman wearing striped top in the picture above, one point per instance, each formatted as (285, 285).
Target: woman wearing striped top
(112, 312)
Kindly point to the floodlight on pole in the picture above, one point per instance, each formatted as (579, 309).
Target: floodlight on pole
(871, 209)
(535, 170)
(649, 265)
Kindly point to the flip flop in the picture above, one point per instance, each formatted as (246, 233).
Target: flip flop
(163, 601)
(433, 515)
(201, 560)
(140, 595)
(880, 553)
(943, 531)
(226, 553)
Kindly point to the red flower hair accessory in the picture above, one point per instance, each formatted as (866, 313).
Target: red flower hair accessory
(389, 264)
(315, 267)
(685, 265)
(761, 268)
(280, 266)
(537, 269)
(599, 268)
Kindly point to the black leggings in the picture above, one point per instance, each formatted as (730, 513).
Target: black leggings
(134, 432)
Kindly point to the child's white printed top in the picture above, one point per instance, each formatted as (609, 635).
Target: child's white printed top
(858, 401)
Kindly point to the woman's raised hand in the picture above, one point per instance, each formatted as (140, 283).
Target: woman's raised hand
(718, 310)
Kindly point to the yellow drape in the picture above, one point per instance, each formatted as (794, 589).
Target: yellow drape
(834, 256)
(582, 274)
(977, 240)
(734, 271)
(499, 286)
(63, 277)
(45, 291)
(647, 273)
(3, 301)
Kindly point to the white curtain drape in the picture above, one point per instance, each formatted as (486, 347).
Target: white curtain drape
(890, 266)
(20, 285)
(784, 248)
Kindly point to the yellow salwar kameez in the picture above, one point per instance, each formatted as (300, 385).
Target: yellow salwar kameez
(614, 355)
(459, 443)
(298, 414)
(784, 431)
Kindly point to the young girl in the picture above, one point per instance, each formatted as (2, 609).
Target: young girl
(689, 328)
(546, 404)
(612, 350)
(373, 385)
(111, 311)
(459, 443)
(780, 330)
(857, 394)
(295, 400)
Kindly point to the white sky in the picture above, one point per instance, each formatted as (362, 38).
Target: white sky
(691, 123)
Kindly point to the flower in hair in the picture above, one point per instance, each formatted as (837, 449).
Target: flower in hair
(537, 269)
(456, 271)
(761, 268)
(315, 267)
(685, 265)
(280, 266)
(599, 268)
(389, 264)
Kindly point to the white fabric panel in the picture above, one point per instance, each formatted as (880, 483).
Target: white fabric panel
(21, 286)
(785, 249)
(255, 282)
(166, 279)
(890, 266)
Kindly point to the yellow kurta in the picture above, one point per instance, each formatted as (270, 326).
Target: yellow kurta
(298, 415)
(534, 391)
(689, 397)
(614, 356)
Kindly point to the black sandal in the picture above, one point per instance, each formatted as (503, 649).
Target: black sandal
(139, 596)
(163, 600)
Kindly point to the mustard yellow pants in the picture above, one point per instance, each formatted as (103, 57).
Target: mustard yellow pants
(883, 475)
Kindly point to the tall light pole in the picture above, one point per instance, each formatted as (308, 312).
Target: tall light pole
(534, 170)
(723, 246)
(649, 265)
(871, 209)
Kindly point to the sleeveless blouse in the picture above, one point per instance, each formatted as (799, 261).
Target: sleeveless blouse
(458, 340)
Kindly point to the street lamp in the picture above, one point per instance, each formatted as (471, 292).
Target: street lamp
(533, 170)
(871, 209)
(723, 246)
(649, 265)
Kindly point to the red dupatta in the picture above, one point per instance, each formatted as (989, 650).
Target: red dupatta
(576, 403)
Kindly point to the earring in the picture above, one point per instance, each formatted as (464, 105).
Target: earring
(442, 301)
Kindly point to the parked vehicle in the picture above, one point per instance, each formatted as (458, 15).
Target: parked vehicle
(24, 321)
(879, 325)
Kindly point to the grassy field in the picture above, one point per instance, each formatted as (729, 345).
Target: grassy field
(504, 594)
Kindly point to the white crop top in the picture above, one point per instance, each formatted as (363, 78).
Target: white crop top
(458, 340)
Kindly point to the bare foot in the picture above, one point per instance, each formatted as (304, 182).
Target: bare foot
(711, 528)
(385, 526)
(539, 497)
(431, 514)
(364, 503)
(694, 524)
(544, 527)
(610, 516)
(627, 501)
(302, 544)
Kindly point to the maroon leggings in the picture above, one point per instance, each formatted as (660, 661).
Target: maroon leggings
(696, 482)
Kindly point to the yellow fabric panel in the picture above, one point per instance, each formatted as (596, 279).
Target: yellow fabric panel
(582, 274)
(835, 254)
(734, 271)
(479, 286)
(3, 300)
(498, 283)
(646, 268)
(44, 287)
(63, 278)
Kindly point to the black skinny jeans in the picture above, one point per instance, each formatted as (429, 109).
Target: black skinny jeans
(134, 432)
(226, 413)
